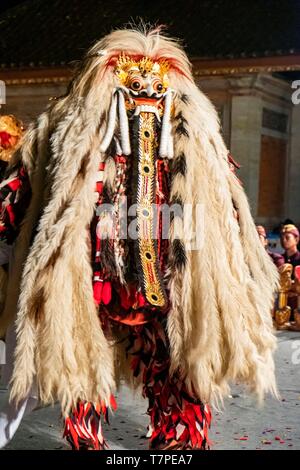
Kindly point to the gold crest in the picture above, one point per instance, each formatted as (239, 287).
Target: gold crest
(126, 67)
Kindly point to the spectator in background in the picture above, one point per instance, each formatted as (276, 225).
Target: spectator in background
(289, 240)
(276, 257)
(289, 222)
(289, 235)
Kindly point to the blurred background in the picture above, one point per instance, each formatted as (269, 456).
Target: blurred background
(245, 56)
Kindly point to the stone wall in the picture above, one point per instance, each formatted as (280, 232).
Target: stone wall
(241, 101)
(244, 101)
(28, 101)
(294, 166)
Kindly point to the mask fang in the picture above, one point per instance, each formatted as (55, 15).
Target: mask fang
(166, 141)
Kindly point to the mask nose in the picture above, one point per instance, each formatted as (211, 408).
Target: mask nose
(150, 91)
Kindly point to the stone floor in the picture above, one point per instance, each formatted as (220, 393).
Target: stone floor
(241, 426)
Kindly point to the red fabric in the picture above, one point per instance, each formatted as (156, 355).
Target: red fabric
(106, 293)
(15, 195)
(98, 287)
(104, 288)
(5, 139)
(14, 184)
(178, 419)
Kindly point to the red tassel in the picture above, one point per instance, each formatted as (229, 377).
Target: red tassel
(106, 292)
(83, 427)
(125, 298)
(141, 300)
(98, 288)
(113, 403)
(11, 213)
(14, 184)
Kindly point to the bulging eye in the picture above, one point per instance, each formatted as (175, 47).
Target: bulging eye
(157, 86)
(136, 85)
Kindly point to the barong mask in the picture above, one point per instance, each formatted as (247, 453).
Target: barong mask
(144, 88)
(142, 102)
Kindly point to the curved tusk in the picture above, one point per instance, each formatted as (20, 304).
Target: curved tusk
(111, 125)
(166, 143)
(124, 126)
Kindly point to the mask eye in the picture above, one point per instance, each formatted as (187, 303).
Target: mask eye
(158, 86)
(136, 85)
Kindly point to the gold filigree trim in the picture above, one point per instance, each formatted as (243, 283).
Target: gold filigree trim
(146, 185)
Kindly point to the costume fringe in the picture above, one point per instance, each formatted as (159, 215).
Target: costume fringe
(83, 429)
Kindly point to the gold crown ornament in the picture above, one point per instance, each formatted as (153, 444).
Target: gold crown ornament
(127, 66)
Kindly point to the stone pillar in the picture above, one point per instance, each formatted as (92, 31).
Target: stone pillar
(293, 188)
(245, 145)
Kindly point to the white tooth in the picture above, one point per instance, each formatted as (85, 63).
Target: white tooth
(157, 115)
(146, 108)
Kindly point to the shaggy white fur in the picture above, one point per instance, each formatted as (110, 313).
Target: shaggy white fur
(219, 327)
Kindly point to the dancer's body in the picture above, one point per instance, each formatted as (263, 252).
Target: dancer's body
(169, 307)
